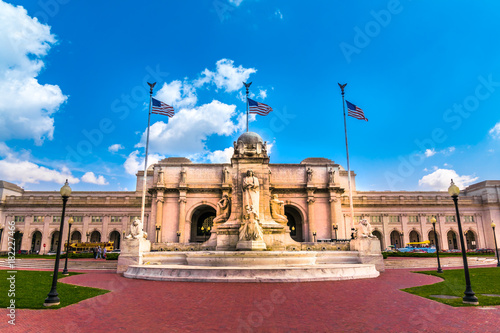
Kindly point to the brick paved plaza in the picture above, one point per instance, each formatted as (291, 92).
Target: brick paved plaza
(370, 305)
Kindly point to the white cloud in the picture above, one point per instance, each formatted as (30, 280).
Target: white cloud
(26, 106)
(235, 2)
(430, 152)
(226, 76)
(262, 94)
(495, 131)
(446, 151)
(134, 163)
(18, 169)
(441, 178)
(278, 14)
(90, 177)
(177, 94)
(114, 148)
(221, 156)
(186, 133)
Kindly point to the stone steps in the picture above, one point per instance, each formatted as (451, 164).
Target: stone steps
(251, 274)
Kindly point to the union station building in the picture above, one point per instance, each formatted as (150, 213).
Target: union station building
(182, 200)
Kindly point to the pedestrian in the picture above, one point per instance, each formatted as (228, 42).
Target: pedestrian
(94, 251)
(99, 253)
(104, 251)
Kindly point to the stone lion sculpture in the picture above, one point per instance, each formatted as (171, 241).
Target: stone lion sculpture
(365, 229)
(136, 230)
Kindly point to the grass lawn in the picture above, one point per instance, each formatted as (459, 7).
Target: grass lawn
(32, 287)
(484, 280)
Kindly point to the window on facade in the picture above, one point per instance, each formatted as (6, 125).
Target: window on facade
(56, 219)
(38, 219)
(133, 218)
(18, 219)
(450, 219)
(393, 219)
(375, 219)
(429, 217)
(116, 219)
(96, 219)
(413, 219)
(77, 219)
(357, 219)
(468, 218)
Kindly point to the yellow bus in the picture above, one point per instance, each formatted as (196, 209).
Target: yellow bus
(87, 247)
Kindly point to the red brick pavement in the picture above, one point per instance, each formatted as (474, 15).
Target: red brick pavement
(370, 305)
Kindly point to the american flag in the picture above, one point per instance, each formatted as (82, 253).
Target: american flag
(355, 111)
(258, 108)
(161, 108)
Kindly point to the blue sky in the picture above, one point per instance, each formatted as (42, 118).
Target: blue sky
(73, 97)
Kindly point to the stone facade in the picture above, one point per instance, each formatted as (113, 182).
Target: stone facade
(182, 196)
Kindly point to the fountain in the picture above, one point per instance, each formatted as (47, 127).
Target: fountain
(250, 240)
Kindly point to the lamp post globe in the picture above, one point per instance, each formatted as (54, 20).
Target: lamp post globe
(433, 221)
(65, 270)
(53, 296)
(470, 296)
(493, 225)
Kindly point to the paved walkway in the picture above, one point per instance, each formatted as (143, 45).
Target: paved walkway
(370, 305)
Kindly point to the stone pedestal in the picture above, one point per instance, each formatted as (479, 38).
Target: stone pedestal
(131, 253)
(369, 251)
(250, 245)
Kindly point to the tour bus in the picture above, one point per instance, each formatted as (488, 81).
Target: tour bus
(418, 247)
(87, 247)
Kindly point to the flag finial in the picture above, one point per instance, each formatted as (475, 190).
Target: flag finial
(151, 86)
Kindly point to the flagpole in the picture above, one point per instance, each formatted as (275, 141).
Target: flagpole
(151, 86)
(342, 86)
(247, 85)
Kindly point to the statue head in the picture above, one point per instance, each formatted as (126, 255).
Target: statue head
(249, 173)
(275, 196)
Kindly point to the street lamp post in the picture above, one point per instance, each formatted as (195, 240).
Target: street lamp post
(65, 270)
(88, 235)
(53, 296)
(470, 297)
(178, 236)
(402, 239)
(433, 221)
(314, 236)
(335, 228)
(493, 225)
(157, 232)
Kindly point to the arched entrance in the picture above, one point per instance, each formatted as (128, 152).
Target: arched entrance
(452, 240)
(76, 237)
(294, 223)
(95, 237)
(36, 242)
(396, 238)
(18, 239)
(414, 236)
(201, 214)
(115, 238)
(378, 234)
(54, 241)
(431, 238)
(470, 240)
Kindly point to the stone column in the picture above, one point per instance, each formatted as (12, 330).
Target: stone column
(336, 217)
(5, 233)
(443, 237)
(182, 217)
(310, 217)
(387, 231)
(25, 243)
(105, 222)
(159, 214)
